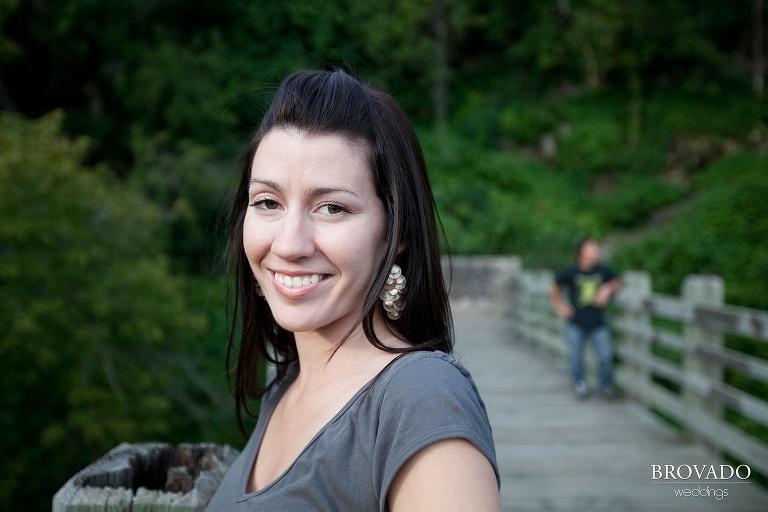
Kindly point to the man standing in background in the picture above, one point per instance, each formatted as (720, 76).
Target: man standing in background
(590, 286)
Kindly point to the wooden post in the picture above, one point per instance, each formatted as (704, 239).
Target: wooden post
(551, 328)
(148, 477)
(534, 313)
(636, 336)
(523, 306)
(515, 305)
(703, 414)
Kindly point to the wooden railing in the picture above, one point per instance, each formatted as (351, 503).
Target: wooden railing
(671, 355)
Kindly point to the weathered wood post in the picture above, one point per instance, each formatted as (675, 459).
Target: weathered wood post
(703, 415)
(514, 305)
(148, 477)
(540, 327)
(636, 320)
(521, 327)
(550, 333)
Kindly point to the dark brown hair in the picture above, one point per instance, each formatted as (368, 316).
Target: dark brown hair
(333, 102)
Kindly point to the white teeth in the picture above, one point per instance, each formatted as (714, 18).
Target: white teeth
(297, 282)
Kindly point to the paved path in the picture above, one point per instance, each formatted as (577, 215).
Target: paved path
(559, 454)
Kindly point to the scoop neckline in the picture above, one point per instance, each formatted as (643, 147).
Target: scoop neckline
(283, 385)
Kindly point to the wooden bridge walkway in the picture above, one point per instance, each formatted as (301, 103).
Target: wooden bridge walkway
(559, 454)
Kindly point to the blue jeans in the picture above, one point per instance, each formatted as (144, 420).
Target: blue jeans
(603, 345)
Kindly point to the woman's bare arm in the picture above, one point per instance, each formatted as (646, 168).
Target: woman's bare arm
(450, 475)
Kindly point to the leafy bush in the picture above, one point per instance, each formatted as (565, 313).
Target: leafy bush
(591, 146)
(95, 347)
(477, 118)
(724, 232)
(189, 183)
(634, 197)
(726, 113)
(524, 121)
(594, 136)
(494, 202)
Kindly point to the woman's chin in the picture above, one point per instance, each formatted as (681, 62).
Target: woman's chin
(302, 322)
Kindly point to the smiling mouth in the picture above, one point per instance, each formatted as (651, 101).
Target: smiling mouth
(298, 281)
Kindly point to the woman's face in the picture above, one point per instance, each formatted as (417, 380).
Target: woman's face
(314, 231)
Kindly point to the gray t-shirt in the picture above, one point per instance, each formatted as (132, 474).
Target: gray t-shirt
(421, 398)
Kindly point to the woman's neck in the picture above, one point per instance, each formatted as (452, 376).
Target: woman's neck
(323, 361)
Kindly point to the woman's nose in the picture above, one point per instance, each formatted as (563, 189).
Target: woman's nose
(294, 237)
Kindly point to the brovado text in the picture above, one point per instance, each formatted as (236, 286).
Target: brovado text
(699, 471)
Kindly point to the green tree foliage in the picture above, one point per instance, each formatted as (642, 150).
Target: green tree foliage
(96, 331)
(8, 48)
(494, 203)
(725, 232)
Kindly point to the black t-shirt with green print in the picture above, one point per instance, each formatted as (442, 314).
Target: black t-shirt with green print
(582, 289)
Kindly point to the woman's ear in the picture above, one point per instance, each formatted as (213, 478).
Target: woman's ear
(401, 247)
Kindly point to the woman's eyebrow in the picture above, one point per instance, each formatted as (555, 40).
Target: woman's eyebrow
(320, 191)
(269, 183)
(313, 192)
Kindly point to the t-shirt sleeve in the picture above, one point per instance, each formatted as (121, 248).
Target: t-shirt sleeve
(564, 277)
(426, 401)
(609, 274)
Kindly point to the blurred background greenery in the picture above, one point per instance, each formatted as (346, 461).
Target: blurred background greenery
(642, 122)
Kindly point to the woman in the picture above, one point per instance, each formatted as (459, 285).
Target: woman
(334, 250)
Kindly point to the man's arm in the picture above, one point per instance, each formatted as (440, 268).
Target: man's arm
(561, 309)
(606, 290)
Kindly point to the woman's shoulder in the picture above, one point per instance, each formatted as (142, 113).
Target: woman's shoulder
(426, 364)
(428, 360)
(427, 374)
(424, 398)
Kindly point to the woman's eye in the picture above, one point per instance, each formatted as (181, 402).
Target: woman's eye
(265, 204)
(332, 209)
